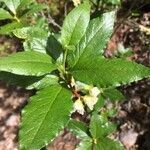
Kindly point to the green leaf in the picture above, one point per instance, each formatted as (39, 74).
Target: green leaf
(35, 44)
(85, 144)
(113, 94)
(29, 82)
(78, 128)
(22, 33)
(27, 63)
(36, 39)
(100, 103)
(12, 5)
(110, 112)
(108, 144)
(75, 25)
(37, 32)
(100, 127)
(95, 39)
(4, 14)
(42, 23)
(109, 72)
(34, 8)
(25, 3)
(46, 81)
(54, 48)
(22, 81)
(6, 29)
(43, 118)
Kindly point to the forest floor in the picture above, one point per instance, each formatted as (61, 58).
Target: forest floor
(133, 117)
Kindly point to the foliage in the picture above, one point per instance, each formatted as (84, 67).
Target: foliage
(70, 74)
(17, 14)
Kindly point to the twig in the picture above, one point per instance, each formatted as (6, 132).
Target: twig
(52, 21)
(50, 18)
(65, 9)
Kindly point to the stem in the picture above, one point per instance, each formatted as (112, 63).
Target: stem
(93, 144)
(16, 18)
(62, 67)
(64, 59)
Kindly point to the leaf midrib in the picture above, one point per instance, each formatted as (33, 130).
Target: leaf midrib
(45, 116)
(74, 28)
(83, 50)
(25, 62)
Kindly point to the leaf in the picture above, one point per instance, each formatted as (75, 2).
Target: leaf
(109, 72)
(43, 118)
(100, 127)
(95, 39)
(113, 94)
(75, 25)
(4, 14)
(111, 112)
(78, 128)
(54, 48)
(27, 63)
(42, 23)
(100, 103)
(25, 3)
(22, 33)
(85, 144)
(35, 44)
(12, 5)
(37, 32)
(108, 144)
(46, 81)
(29, 82)
(36, 39)
(6, 29)
(22, 81)
(34, 8)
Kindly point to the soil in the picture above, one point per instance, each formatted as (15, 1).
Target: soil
(12, 99)
(133, 117)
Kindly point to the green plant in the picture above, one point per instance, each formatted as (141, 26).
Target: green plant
(17, 14)
(71, 75)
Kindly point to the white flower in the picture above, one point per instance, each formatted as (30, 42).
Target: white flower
(90, 101)
(78, 106)
(94, 91)
(76, 2)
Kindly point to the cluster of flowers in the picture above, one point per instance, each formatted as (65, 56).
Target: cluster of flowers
(89, 99)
